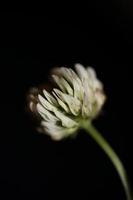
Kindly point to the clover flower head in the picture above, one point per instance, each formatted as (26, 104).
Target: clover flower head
(79, 97)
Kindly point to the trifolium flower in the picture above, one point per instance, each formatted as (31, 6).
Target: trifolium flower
(79, 97)
(76, 101)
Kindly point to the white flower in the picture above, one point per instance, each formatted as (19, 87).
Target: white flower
(79, 97)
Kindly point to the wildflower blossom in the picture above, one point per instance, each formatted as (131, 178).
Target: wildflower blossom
(79, 97)
(73, 105)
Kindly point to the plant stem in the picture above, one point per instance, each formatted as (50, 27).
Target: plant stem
(91, 130)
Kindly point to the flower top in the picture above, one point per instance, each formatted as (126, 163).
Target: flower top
(79, 97)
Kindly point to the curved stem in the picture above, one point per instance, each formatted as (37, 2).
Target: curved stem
(111, 154)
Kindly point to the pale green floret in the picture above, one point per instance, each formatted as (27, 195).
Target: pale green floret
(57, 132)
(46, 104)
(73, 103)
(46, 115)
(66, 121)
(50, 98)
(61, 103)
(88, 92)
(63, 84)
(74, 80)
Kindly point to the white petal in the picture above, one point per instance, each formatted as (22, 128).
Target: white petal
(61, 103)
(67, 86)
(67, 74)
(100, 99)
(63, 84)
(96, 84)
(50, 98)
(46, 115)
(31, 106)
(56, 132)
(73, 103)
(81, 71)
(88, 91)
(58, 82)
(87, 101)
(77, 84)
(46, 104)
(91, 73)
(66, 121)
(72, 77)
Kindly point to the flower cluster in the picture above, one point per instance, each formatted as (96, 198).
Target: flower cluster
(78, 97)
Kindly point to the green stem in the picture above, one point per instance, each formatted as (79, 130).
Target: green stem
(111, 154)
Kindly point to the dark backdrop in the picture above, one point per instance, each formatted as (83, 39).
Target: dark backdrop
(99, 34)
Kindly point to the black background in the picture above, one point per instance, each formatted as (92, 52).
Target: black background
(99, 34)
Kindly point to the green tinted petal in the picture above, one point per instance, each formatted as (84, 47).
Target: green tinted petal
(50, 98)
(74, 80)
(67, 87)
(46, 115)
(91, 73)
(46, 104)
(78, 88)
(58, 82)
(63, 84)
(57, 132)
(88, 92)
(61, 103)
(66, 121)
(73, 103)
(96, 84)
